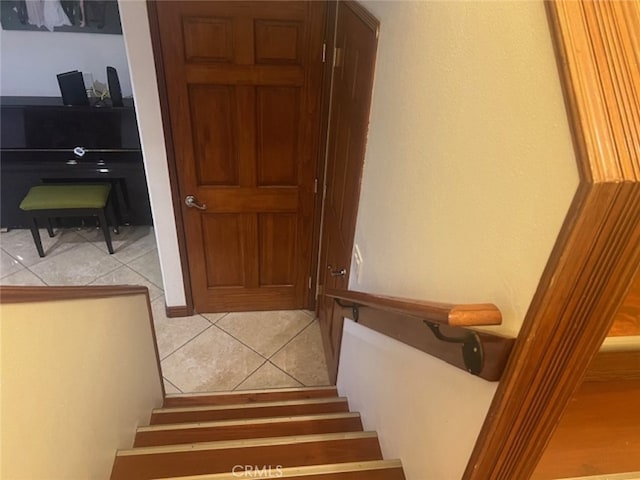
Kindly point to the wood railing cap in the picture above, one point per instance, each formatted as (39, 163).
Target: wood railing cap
(459, 315)
(25, 294)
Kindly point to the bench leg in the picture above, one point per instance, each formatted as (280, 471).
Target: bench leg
(50, 228)
(115, 203)
(111, 212)
(105, 230)
(35, 233)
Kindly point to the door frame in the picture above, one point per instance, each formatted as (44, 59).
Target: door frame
(597, 253)
(156, 46)
(330, 324)
(325, 112)
(176, 198)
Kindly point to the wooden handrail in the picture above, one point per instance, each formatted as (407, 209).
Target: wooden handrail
(465, 315)
(434, 328)
(23, 294)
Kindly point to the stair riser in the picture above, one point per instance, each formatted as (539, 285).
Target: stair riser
(238, 432)
(249, 397)
(164, 418)
(163, 465)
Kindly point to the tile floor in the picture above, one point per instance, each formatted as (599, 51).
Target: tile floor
(207, 352)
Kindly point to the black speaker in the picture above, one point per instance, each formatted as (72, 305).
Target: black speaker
(114, 87)
(72, 88)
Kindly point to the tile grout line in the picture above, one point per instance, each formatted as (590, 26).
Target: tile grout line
(238, 340)
(265, 360)
(268, 360)
(61, 231)
(138, 257)
(26, 267)
(109, 256)
(245, 378)
(248, 346)
(197, 314)
(84, 284)
(143, 275)
(81, 238)
(114, 238)
(310, 313)
(287, 373)
(124, 265)
(290, 340)
(276, 365)
(185, 343)
(172, 384)
(14, 258)
(104, 275)
(213, 323)
(7, 253)
(38, 276)
(9, 275)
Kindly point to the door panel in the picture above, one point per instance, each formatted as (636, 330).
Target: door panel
(277, 111)
(278, 42)
(243, 82)
(225, 236)
(356, 43)
(207, 39)
(214, 134)
(278, 234)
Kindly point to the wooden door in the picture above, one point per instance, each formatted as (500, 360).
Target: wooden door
(243, 84)
(356, 39)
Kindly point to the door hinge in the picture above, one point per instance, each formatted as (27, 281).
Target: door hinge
(324, 52)
(315, 185)
(337, 57)
(309, 282)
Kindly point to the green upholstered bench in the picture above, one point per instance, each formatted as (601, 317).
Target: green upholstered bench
(76, 200)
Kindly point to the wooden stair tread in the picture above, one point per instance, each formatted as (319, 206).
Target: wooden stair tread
(248, 396)
(221, 456)
(597, 433)
(250, 442)
(246, 421)
(169, 434)
(249, 410)
(370, 470)
(300, 432)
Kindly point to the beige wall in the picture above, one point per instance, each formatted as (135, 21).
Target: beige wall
(468, 175)
(137, 39)
(469, 168)
(77, 378)
(426, 412)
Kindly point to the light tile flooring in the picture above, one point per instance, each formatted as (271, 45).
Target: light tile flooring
(201, 353)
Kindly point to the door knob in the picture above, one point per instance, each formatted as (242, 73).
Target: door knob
(192, 202)
(337, 273)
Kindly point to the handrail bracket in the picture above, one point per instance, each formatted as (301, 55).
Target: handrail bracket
(355, 309)
(472, 351)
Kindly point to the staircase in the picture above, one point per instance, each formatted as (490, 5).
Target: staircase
(287, 433)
